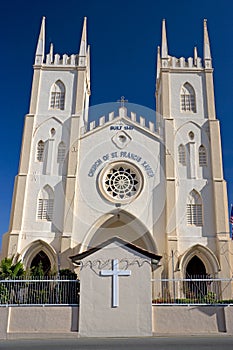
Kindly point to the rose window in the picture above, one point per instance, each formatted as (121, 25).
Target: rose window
(121, 182)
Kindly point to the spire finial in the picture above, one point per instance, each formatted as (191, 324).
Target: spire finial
(83, 44)
(51, 52)
(164, 41)
(40, 44)
(207, 53)
(195, 56)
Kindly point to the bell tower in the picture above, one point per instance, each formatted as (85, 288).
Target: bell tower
(196, 203)
(58, 114)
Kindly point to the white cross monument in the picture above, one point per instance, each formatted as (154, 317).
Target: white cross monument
(115, 273)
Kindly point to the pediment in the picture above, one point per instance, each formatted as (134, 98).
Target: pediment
(122, 243)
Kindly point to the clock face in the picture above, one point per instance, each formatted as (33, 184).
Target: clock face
(120, 182)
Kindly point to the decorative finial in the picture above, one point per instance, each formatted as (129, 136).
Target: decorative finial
(40, 44)
(164, 47)
(51, 52)
(83, 44)
(207, 53)
(195, 56)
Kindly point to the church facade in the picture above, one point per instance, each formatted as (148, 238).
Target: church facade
(159, 185)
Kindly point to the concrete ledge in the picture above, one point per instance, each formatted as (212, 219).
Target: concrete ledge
(39, 335)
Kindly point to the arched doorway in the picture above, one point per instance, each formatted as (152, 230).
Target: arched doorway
(40, 264)
(123, 225)
(40, 251)
(195, 272)
(195, 268)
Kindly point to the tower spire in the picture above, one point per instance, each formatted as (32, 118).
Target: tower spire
(83, 44)
(207, 53)
(164, 47)
(40, 44)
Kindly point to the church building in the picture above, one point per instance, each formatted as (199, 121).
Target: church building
(157, 184)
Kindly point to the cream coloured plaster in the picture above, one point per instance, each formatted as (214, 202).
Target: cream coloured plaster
(34, 91)
(133, 315)
(18, 203)
(216, 150)
(26, 144)
(210, 94)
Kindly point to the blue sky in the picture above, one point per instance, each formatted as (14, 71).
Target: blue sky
(124, 36)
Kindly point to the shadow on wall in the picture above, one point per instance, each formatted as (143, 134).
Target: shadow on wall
(75, 319)
(219, 313)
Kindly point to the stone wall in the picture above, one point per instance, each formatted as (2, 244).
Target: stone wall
(192, 319)
(34, 321)
(58, 321)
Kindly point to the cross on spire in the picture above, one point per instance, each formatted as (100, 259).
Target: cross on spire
(122, 101)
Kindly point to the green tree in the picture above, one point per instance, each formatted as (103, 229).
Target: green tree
(8, 270)
(37, 271)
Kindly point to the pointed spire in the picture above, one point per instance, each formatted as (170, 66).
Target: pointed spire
(207, 53)
(158, 62)
(51, 52)
(164, 41)
(195, 54)
(83, 44)
(41, 44)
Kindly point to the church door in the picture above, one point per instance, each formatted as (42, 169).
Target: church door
(196, 271)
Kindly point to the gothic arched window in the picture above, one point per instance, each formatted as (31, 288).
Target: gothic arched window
(57, 95)
(61, 152)
(45, 204)
(40, 151)
(187, 99)
(194, 209)
(202, 156)
(182, 154)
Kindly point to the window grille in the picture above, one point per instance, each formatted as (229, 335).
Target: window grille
(194, 214)
(187, 99)
(182, 154)
(40, 151)
(57, 96)
(61, 153)
(45, 209)
(57, 100)
(194, 210)
(202, 156)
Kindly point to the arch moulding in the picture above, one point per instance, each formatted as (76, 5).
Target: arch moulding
(204, 254)
(123, 225)
(34, 248)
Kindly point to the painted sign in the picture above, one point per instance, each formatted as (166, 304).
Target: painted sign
(121, 127)
(124, 155)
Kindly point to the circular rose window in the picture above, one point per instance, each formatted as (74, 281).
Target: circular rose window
(120, 182)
